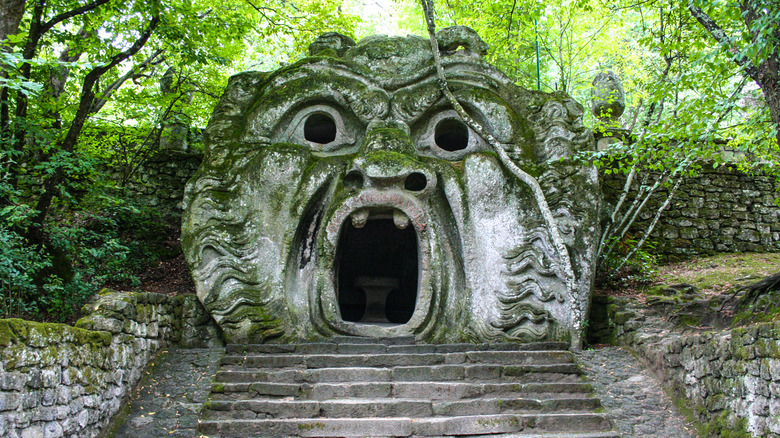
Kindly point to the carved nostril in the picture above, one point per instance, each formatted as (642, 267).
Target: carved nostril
(415, 182)
(354, 179)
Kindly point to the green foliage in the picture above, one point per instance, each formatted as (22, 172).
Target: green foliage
(19, 265)
(112, 240)
(638, 271)
(77, 105)
(726, 425)
(109, 242)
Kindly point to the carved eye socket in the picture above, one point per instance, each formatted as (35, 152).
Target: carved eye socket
(451, 135)
(320, 128)
(324, 128)
(445, 136)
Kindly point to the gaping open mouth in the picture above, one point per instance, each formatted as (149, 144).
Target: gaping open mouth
(377, 267)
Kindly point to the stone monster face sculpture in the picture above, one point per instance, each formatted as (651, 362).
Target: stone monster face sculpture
(342, 195)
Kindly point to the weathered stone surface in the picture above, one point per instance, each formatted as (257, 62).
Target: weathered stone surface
(402, 400)
(343, 191)
(57, 380)
(728, 378)
(724, 219)
(608, 97)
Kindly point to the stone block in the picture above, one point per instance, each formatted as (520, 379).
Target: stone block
(10, 401)
(12, 381)
(33, 432)
(774, 369)
(773, 424)
(760, 406)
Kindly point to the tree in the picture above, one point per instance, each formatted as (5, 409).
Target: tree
(77, 74)
(685, 100)
(756, 46)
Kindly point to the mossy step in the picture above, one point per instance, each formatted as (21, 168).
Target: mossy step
(406, 426)
(607, 434)
(426, 390)
(385, 360)
(461, 372)
(378, 348)
(393, 407)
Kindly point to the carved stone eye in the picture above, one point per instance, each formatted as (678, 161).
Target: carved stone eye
(451, 135)
(320, 128)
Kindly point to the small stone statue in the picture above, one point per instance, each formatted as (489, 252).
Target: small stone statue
(608, 98)
(174, 135)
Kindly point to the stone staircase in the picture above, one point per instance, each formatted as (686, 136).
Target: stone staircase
(361, 387)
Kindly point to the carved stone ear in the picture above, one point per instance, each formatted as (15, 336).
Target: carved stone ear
(461, 38)
(331, 41)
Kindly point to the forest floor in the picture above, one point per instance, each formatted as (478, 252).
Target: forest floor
(170, 277)
(711, 285)
(720, 273)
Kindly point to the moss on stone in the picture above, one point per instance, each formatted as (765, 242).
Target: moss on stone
(726, 425)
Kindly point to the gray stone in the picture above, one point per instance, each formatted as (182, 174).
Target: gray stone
(33, 432)
(10, 401)
(608, 97)
(140, 422)
(53, 430)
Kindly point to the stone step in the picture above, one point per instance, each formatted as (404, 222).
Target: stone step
(424, 390)
(477, 425)
(353, 347)
(536, 434)
(393, 407)
(393, 387)
(386, 360)
(397, 340)
(514, 373)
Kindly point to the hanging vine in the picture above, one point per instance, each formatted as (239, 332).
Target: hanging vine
(530, 181)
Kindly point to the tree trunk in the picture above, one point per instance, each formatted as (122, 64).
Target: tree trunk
(11, 16)
(51, 186)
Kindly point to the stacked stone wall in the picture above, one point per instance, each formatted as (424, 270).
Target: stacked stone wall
(58, 380)
(721, 210)
(159, 182)
(730, 379)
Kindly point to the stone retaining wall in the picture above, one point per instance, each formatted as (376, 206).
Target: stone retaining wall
(730, 379)
(721, 210)
(159, 182)
(62, 381)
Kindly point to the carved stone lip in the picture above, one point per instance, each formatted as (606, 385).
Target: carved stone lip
(379, 203)
(372, 199)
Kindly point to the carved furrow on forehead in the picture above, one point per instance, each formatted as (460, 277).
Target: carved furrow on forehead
(417, 97)
(297, 89)
(367, 101)
(411, 102)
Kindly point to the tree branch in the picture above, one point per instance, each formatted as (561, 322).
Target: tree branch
(133, 73)
(45, 27)
(720, 36)
(511, 18)
(652, 225)
(261, 10)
